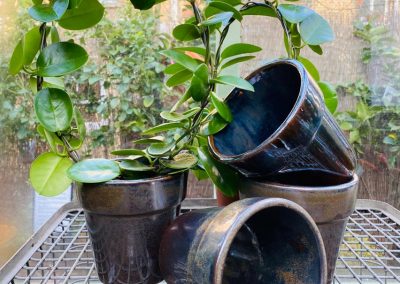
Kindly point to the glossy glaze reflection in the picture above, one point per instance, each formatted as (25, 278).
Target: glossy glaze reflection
(125, 220)
(250, 241)
(329, 200)
(283, 126)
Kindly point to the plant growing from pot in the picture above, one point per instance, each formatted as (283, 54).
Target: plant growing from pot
(145, 185)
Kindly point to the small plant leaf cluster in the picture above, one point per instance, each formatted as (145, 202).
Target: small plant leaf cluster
(180, 143)
(45, 57)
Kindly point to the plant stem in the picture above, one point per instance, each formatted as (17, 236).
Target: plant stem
(39, 86)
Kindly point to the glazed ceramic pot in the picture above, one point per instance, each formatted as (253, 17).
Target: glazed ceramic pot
(328, 199)
(254, 241)
(125, 220)
(282, 127)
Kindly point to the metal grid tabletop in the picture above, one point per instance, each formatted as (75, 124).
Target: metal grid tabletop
(61, 253)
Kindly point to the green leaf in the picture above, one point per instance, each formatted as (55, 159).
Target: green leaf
(226, 8)
(162, 128)
(135, 166)
(128, 152)
(181, 161)
(55, 37)
(354, 136)
(148, 101)
(182, 59)
(234, 81)
(80, 123)
(173, 116)
(238, 49)
(25, 51)
(94, 171)
(182, 100)
(223, 177)
(259, 11)
(315, 30)
(346, 126)
(53, 108)
(221, 18)
(199, 83)
(330, 96)
(237, 60)
(49, 12)
(216, 124)
(221, 107)
(87, 14)
(317, 49)
(60, 58)
(310, 67)
(56, 145)
(173, 69)
(159, 149)
(48, 174)
(155, 139)
(195, 49)
(294, 13)
(145, 4)
(179, 78)
(186, 32)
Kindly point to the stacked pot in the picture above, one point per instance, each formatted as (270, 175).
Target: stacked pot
(286, 144)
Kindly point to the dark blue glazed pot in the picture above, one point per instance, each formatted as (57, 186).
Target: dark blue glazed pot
(250, 241)
(282, 127)
(125, 221)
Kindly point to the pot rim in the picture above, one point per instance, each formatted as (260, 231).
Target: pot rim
(287, 187)
(300, 98)
(251, 210)
(139, 181)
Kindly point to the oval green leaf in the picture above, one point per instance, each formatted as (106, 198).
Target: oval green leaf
(155, 139)
(179, 78)
(135, 166)
(239, 48)
(315, 30)
(227, 8)
(221, 18)
(60, 58)
(216, 124)
(294, 13)
(330, 96)
(221, 107)
(180, 161)
(54, 110)
(49, 12)
(173, 69)
(186, 32)
(258, 10)
(128, 152)
(162, 127)
(87, 14)
(173, 116)
(94, 171)
(310, 67)
(237, 60)
(234, 81)
(48, 174)
(182, 59)
(159, 149)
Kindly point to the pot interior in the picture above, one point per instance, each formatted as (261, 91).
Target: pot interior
(256, 116)
(276, 245)
(310, 178)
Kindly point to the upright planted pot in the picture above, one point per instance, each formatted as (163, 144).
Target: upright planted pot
(125, 220)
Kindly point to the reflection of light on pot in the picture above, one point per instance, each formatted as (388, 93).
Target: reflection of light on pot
(250, 241)
(7, 233)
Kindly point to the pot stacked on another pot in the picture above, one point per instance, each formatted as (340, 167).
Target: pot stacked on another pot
(286, 144)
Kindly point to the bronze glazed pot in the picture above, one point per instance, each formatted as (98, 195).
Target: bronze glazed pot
(328, 199)
(253, 241)
(125, 220)
(282, 127)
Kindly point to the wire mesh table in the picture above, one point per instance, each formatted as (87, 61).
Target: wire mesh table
(60, 251)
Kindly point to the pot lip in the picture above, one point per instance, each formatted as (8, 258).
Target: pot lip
(250, 210)
(330, 188)
(301, 97)
(139, 181)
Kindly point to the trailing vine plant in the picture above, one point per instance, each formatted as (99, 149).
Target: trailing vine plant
(42, 55)
(181, 142)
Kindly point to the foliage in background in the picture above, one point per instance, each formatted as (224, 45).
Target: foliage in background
(125, 84)
(375, 120)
